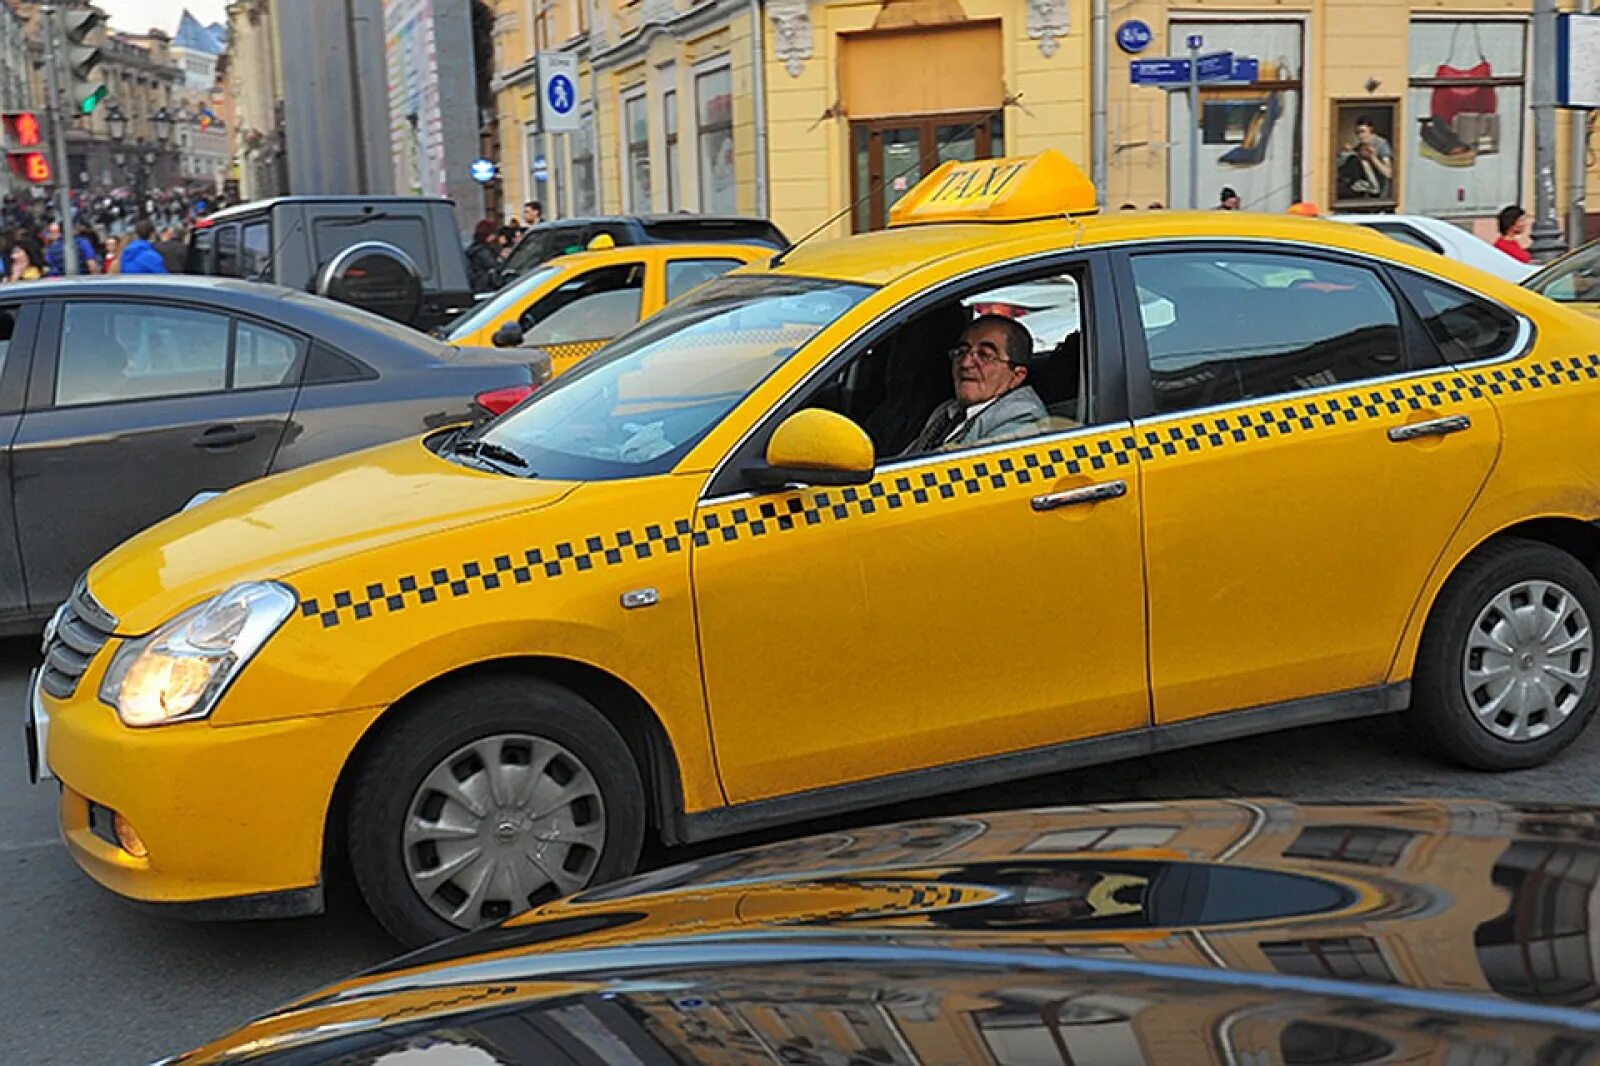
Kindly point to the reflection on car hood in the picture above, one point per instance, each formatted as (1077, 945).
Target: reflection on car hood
(272, 528)
(1228, 931)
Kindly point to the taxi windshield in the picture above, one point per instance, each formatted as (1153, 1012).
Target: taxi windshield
(1573, 279)
(501, 302)
(638, 406)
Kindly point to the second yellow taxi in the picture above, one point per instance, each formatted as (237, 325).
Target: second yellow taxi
(572, 305)
(1007, 488)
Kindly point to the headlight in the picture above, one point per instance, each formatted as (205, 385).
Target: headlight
(181, 670)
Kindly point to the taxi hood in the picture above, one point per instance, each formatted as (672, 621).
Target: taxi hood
(273, 528)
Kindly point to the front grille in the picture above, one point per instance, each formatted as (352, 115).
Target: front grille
(80, 629)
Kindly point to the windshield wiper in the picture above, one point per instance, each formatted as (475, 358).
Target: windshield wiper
(489, 452)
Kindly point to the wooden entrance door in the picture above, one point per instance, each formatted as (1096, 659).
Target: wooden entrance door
(890, 155)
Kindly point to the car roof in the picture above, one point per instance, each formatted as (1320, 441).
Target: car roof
(259, 206)
(884, 256)
(647, 219)
(623, 253)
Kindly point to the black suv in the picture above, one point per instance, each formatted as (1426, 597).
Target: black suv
(399, 256)
(550, 239)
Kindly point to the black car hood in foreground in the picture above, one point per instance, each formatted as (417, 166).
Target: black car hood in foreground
(1231, 932)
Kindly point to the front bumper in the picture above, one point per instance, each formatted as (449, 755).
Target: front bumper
(227, 814)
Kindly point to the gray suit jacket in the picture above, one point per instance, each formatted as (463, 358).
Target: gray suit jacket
(1019, 413)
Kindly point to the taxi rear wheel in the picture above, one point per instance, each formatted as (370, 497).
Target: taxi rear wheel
(1506, 672)
(487, 799)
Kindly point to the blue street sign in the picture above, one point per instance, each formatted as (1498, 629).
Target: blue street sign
(1246, 69)
(1134, 36)
(563, 95)
(1214, 67)
(483, 171)
(1196, 41)
(1168, 71)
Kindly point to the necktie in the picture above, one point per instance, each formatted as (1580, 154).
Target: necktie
(938, 429)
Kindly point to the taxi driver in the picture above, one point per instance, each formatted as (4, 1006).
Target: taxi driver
(992, 400)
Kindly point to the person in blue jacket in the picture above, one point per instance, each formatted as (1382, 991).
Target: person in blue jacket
(55, 254)
(140, 256)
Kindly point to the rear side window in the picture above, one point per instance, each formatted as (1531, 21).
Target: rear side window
(1227, 326)
(686, 274)
(325, 366)
(1465, 328)
(331, 235)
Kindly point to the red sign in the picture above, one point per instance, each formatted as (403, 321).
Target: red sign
(24, 130)
(30, 166)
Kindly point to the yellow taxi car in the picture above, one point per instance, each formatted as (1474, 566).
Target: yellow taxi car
(1004, 489)
(572, 305)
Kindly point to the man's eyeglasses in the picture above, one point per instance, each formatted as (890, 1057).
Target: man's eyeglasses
(986, 353)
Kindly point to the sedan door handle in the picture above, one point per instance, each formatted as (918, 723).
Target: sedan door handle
(1438, 427)
(1105, 490)
(223, 437)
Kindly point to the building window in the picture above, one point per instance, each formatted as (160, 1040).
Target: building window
(713, 93)
(1466, 99)
(1365, 845)
(669, 117)
(1249, 130)
(636, 145)
(1540, 950)
(1355, 958)
(585, 189)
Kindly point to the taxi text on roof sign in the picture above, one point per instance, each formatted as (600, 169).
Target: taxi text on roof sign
(1047, 185)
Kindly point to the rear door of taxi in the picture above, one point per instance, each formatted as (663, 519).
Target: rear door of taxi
(1307, 455)
(966, 603)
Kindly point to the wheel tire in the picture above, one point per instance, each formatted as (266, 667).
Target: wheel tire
(1442, 716)
(436, 729)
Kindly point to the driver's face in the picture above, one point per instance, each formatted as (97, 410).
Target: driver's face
(980, 366)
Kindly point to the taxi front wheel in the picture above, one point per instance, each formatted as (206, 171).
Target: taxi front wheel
(1505, 674)
(488, 798)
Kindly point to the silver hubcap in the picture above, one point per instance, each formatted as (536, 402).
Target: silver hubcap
(503, 824)
(1529, 656)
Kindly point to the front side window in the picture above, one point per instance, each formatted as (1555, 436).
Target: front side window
(1465, 328)
(117, 351)
(595, 306)
(1221, 327)
(713, 93)
(997, 363)
(1572, 279)
(256, 257)
(638, 406)
(686, 274)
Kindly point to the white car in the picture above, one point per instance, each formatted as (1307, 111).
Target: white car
(1449, 240)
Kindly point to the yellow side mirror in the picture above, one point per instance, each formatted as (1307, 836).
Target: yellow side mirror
(817, 447)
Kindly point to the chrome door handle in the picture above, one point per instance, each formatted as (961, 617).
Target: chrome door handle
(1105, 490)
(1438, 427)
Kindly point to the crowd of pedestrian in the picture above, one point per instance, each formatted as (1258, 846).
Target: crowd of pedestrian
(116, 233)
(492, 242)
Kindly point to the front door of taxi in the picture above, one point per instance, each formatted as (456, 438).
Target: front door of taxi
(1307, 461)
(963, 604)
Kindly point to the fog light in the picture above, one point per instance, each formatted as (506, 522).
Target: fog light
(128, 838)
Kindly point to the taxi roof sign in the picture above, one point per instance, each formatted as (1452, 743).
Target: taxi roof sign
(1047, 185)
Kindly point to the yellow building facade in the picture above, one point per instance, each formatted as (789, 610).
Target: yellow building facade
(822, 113)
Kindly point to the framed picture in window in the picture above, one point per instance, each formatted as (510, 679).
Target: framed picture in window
(1366, 169)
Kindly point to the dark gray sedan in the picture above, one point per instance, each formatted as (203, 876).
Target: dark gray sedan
(123, 398)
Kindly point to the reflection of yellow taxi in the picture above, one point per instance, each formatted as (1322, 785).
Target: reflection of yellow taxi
(572, 305)
(755, 563)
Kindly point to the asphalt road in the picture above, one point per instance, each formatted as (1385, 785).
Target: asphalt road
(86, 979)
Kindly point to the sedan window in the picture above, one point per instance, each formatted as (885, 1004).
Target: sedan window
(1294, 324)
(686, 274)
(116, 351)
(598, 305)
